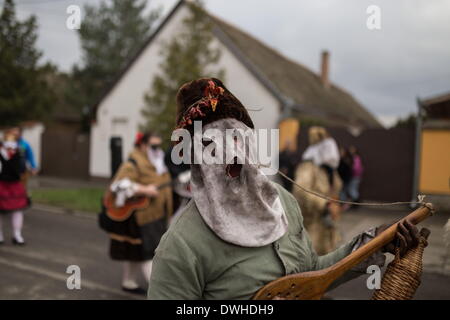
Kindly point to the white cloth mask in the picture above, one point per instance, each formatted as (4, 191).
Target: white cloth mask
(156, 157)
(244, 210)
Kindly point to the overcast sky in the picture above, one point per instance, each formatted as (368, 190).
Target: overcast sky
(386, 70)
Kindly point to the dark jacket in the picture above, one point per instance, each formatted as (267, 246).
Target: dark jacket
(345, 169)
(12, 169)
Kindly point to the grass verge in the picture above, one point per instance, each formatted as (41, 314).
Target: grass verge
(81, 199)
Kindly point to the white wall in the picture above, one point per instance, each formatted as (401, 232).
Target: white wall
(33, 135)
(119, 114)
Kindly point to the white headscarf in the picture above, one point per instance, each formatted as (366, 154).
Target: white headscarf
(156, 157)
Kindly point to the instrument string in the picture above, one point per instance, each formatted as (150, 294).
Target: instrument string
(421, 198)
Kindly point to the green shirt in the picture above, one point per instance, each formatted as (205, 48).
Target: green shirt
(191, 262)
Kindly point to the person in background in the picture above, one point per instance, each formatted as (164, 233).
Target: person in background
(323, 152)
(321, 216)
(26, 149)
(134, 240)
(13, 196)
(288, 163)
(345, 169)
(180, 191)
(357, 172)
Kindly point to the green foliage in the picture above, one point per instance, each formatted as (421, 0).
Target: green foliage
(61, 83)
(82, 199)
(24, 91)
(187, 56)
(407, 122)
(111, 34)
(309, 122)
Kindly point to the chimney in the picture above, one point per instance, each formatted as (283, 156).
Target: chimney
(325, 69)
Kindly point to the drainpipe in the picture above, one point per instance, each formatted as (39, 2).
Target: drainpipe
(418, 144)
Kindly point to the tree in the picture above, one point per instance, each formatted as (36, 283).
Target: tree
(24, 93)
(187, 56)
(407, 122)
(110, 34)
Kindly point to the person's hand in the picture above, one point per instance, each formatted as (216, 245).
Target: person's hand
(335, 210)
(150, 190)
(34, 172)
(407, 237)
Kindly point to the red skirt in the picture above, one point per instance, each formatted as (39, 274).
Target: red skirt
(13, 196)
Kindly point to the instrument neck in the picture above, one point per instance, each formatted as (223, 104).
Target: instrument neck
(377, 243)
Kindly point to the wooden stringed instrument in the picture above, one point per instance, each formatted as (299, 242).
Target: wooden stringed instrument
(138, 202)
(312, 285)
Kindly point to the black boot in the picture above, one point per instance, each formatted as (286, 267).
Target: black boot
(17, 243)
(138, 291)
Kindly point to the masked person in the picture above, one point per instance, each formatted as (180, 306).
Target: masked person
(134, 240)
(318, 173)
(240, 231)
(323, 152)
(13, 196)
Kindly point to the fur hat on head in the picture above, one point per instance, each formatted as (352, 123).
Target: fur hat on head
(317, 134)
(208, 100)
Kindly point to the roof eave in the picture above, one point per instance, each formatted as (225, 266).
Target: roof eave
(133, 60)
(227, 42)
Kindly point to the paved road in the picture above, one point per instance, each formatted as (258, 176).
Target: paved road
(55, 241)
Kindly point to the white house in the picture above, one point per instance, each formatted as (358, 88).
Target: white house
(258, 75)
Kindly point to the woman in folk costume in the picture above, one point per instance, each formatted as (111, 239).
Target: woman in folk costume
(13, 196)
(135, 239)
(240, 231)
(318, 172)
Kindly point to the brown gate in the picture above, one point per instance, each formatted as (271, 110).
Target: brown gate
(65, 152)
(388, 159)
